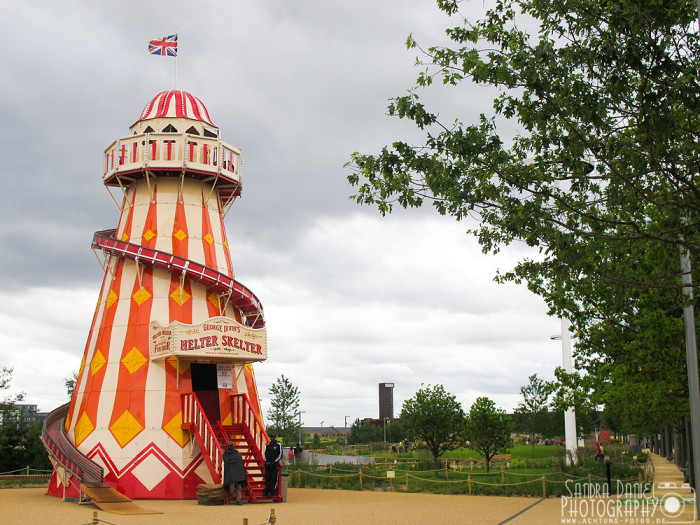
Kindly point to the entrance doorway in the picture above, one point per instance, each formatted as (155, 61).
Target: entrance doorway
(205, 385)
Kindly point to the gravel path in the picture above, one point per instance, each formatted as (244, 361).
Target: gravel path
(305, 506)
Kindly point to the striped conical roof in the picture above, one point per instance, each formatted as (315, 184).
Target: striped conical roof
(176, 104)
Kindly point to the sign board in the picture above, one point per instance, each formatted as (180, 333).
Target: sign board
(218, 337)
(604, 436)
(224, 376)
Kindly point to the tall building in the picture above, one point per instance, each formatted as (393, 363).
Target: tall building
(386, 401)
(166, 377)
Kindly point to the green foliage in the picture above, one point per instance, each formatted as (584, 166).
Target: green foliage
(434, 417)
(488, 429)
(522, 478)
(284, 412)
(20, 443)
(533, 407)
(601, 176)
(70, 382)
(364, 432)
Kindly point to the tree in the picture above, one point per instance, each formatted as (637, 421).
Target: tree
(533, 407)
(434, 417)
(69, 382)
(604, 96)
(5, 380)
(285, 410)
(601, 176)
(488, 429)
(20, 444)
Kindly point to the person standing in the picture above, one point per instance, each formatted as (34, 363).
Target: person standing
(273, 455)
(297, 452)
(234, 472)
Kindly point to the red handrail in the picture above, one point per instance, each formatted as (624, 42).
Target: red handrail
(196, 421)
(242, 412)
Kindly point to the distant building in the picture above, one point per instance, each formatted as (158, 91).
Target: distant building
(30, 413)
(326, 432)
(386, 401)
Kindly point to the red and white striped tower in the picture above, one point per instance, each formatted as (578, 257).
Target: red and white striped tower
(171, 320)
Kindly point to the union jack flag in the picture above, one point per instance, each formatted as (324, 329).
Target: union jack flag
(166, 46)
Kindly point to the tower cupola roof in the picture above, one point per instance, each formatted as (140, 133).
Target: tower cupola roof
(176, 104)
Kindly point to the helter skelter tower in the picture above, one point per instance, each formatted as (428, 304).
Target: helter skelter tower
(166, 376)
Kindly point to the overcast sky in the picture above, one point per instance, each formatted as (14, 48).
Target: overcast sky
(351, 299)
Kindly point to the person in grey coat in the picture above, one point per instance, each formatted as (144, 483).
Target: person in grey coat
(234, 472)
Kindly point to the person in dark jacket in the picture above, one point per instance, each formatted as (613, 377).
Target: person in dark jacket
(234, 472)
(273, 455)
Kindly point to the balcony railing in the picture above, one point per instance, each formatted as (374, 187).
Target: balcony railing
(172, 151)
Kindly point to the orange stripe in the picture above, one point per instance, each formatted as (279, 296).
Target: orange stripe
(252, 390)
(129, 219)
(99, 312)
(183, 313)
(209, 247)
(180, 234)
(133, 368)
(225, 242)
(93, 387)
(149, 239)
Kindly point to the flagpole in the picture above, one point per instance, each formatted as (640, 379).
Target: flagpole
(176, 53)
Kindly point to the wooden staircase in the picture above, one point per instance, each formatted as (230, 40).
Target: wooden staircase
(247, 434)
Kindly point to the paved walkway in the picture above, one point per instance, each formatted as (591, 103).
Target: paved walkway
(311, 506)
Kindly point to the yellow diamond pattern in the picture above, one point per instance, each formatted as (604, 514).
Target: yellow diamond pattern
(98, 361)
(174, 430)
(125, 428)
(111, 298)
(99, 301)
(180, 296)
(83, 428)
(209, 238)
(226, 244)
(180, 235)
(214, 299)
(125, 237)
(141, 295)
(149, 235)
(133, 360)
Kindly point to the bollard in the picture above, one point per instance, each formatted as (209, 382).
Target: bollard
(360, 478)
(95, 521)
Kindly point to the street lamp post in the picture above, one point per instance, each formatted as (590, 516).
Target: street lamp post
(299, 414)
(385, 428)
(346, 433)
(570, 414)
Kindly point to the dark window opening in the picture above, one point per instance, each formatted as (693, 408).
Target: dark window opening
(169, 129)
(192, 131)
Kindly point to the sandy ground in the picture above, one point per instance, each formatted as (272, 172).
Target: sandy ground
(305, 506)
